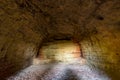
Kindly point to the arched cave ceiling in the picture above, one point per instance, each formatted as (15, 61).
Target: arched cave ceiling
(25, 24)
(61, 17)
(73, 18)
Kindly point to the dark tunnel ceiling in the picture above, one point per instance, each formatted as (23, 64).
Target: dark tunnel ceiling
(71, 18)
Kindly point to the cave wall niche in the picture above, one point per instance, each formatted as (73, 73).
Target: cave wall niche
(58, 51)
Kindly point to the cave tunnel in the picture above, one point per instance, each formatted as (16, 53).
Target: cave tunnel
(59, 39)
(58, 51)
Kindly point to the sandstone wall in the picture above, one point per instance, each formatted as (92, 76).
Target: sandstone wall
(19, 40)
(25, 24)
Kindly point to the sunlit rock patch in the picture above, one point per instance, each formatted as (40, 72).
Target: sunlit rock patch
(61, 51)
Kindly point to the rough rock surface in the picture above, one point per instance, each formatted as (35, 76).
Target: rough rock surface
(26, 24)
(60, 71)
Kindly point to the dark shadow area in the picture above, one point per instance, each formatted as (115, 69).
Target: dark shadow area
(70, 76)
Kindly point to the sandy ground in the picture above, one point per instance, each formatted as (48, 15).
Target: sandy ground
(59, 71)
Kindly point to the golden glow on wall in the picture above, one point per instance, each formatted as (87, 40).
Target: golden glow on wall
(62, 51)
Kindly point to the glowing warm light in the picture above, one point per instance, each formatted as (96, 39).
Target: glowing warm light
(64, 57)
(61, 51)
(38, 61)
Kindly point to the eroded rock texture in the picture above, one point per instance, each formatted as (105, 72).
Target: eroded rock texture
(20, 37)
(26, 24)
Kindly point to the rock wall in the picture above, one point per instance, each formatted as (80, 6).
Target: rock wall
(19, 38)
(102, 49)
(25, 24)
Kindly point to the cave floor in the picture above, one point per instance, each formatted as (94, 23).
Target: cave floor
(60, 71)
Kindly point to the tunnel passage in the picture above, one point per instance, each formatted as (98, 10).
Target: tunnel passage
(59, 51)
(60, 60)
(25, 24)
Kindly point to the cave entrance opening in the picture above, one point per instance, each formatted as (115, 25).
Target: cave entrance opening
(59, 51)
